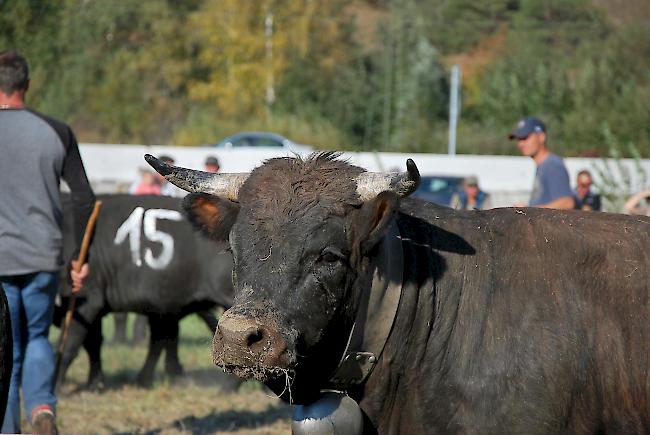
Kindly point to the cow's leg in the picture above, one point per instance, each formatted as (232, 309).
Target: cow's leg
(82, 319)
(93, 345)
(156, 344)
(173, 366)
(120, 320)
(209, 318)
(140, 329)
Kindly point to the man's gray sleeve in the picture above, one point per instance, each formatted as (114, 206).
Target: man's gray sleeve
(74, 174)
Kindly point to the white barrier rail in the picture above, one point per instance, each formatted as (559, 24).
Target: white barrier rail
(508, 178)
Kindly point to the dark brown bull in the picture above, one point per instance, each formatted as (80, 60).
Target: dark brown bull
(509, 320)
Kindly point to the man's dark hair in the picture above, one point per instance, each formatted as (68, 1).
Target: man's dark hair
(584, 172)
(14, 72)
(167, 159)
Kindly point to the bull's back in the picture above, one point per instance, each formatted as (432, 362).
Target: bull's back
(555, 302)
(587, 278)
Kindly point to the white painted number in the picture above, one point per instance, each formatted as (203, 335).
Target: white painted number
(146, 220)
(131, 228)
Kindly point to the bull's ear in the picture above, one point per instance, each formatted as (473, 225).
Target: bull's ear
(372, 220)
(211, 215)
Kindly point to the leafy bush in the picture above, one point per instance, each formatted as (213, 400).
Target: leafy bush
(369, 74)
(617, 180)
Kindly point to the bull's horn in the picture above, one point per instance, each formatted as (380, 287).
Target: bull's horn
(222, 185)
(370, 184)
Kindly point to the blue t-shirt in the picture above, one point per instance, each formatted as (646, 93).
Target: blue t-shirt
(551, 181)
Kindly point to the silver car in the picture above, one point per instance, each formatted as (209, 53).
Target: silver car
(261, 139)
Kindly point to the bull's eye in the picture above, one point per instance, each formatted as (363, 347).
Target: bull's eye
(331, 255)
(328, 257)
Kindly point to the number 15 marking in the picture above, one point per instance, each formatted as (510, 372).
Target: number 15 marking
(146, 220)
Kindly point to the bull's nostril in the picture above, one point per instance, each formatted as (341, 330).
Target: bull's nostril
(254, 336)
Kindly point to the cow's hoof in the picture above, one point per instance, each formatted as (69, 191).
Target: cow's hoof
(144, 380)
(58, 385)
(96, 384)
(174, 371)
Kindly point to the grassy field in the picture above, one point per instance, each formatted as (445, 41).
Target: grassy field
(193, 404)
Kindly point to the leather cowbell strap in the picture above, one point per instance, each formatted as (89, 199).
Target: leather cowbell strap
(375, 317)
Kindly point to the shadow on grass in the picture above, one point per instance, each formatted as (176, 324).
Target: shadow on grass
(215, 377)
(212, 377)
(226, 421)
(114, 381)
(193, 341)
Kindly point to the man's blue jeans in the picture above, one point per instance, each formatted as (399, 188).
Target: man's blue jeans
(31, 306)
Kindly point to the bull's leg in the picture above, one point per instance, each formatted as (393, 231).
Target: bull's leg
(82, 319)
(93, 345)
(209, 318)
(156, 344)
(120, 320)
(173, 366)
(140, 329)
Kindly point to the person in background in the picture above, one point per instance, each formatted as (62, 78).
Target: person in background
(211, 164)
(37, 151)
(639, 203)
(584, 198)
(149, 184)
(471, 197)
(551, 188)
(167, 188)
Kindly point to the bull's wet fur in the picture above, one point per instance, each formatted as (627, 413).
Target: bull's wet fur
(511, 320)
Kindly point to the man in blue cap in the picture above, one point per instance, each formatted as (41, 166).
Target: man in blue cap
(552, 188)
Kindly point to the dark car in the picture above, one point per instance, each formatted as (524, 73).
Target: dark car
(260, 139)
(439, 189)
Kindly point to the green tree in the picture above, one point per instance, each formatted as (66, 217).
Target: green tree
(32, 28)
(238, 68)
(457, 25)
(616, 180)
(130, 69)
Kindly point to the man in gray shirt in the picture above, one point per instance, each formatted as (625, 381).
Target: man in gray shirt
(552, 188)
(36, 152)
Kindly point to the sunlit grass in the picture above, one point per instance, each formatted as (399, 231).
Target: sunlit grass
(193, 404)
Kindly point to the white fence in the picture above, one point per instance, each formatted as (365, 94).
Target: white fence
(112, 168)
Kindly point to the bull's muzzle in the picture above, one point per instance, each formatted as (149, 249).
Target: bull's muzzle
(250, 346)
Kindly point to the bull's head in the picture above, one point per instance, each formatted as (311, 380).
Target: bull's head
(303, 235)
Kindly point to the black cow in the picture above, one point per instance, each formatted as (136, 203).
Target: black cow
(146, 258)
(502, 321)
(6, 352)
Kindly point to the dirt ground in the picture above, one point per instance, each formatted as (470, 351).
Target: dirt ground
(193, 404)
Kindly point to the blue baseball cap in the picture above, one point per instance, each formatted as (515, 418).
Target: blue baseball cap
(527, 126)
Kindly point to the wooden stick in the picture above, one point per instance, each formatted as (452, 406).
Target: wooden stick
(81, 259)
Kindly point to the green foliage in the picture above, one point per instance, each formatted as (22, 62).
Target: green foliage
(29, 27)
(457, 26)
(128, 70)
(575, 75)
(557, 11)
(414, 89)
(363, 74)
(617, 181)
